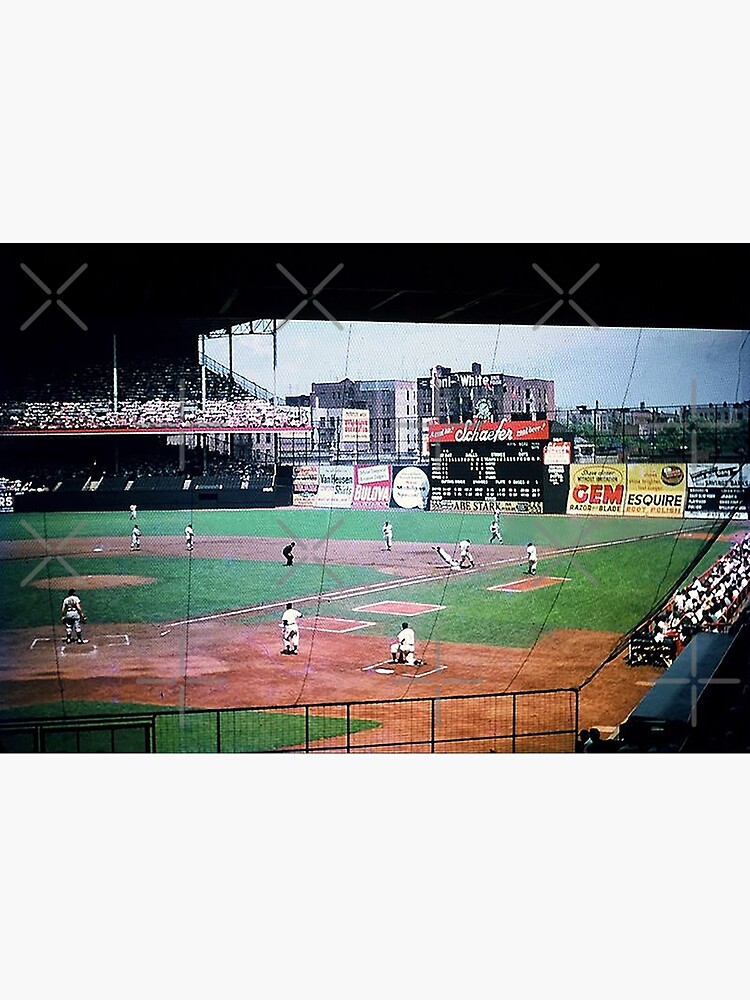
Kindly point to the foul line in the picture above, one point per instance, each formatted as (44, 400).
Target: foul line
(377, 588)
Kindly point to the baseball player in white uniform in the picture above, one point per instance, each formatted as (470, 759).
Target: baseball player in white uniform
(388, 534)
(133, 512)
(189, 536)
(402, 650)
(446, 557)
(73, 617)
(466, 556)
(495, 530)
(532, 557)
(135, 538)
(290, 630)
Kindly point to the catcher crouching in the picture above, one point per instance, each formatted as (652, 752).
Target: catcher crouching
(402, 649)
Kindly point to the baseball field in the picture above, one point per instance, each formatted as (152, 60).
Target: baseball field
(175, 632)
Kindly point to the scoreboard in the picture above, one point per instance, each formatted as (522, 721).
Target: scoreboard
(505, 476)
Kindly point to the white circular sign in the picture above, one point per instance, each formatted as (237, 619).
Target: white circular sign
(411, 488)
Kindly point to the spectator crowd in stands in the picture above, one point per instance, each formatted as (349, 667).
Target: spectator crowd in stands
(711, 603)
(165, 394)
(169, 414)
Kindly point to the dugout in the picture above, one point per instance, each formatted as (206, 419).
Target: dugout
(692, 699)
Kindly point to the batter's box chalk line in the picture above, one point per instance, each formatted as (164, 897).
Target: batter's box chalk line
(88, 647)
(374, 666)
(39, 638)
(118, 635)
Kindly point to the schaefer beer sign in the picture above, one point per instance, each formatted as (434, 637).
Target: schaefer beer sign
(486, 430)
(597, 489)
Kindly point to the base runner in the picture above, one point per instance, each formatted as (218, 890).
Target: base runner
(447, 559)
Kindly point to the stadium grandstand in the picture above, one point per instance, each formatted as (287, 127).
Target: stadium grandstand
(649, 503)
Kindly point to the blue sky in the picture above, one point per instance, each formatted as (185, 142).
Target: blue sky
(586, 364)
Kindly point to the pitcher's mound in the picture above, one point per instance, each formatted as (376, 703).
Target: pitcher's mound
(530, 583)
(99, 582)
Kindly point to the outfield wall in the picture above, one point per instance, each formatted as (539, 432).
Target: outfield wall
(521, 482)
(197, 499)
(532, 478)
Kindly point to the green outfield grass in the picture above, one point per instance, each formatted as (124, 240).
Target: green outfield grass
(184, 588)
(610, 589)
(416, 526)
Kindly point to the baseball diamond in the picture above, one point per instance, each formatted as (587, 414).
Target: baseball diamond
(197, 631)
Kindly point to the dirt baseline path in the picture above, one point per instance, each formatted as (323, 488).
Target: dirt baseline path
(223, 664)
(403, 560)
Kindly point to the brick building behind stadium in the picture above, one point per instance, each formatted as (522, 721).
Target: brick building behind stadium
(452, 397)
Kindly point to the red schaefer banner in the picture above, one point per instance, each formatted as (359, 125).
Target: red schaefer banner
(473, 431)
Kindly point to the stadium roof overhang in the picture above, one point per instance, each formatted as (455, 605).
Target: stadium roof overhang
(182, 291)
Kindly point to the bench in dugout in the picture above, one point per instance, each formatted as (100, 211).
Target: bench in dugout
(643, 651)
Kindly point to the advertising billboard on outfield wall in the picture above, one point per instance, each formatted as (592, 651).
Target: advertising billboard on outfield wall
(597, 489)
(655, 490)
(411, 488)
(372, 487)
(304, 485)
(718, 489)
(335, 486)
